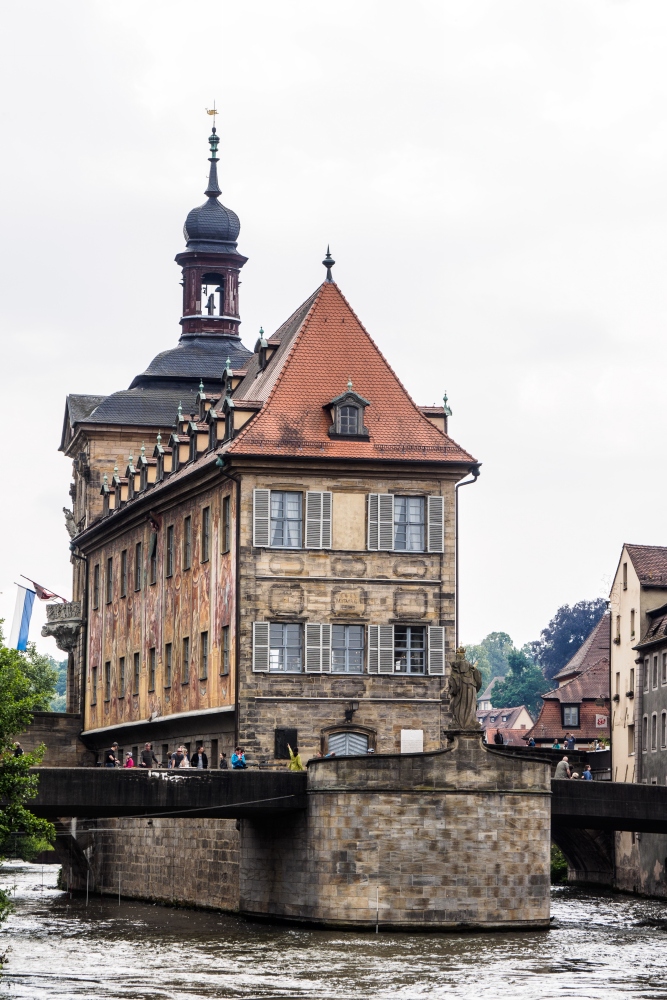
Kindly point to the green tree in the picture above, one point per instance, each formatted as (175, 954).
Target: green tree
(523, 685)
(22, 834)
(59, 700)
(42, 671)
(565, 634)
(490, 656)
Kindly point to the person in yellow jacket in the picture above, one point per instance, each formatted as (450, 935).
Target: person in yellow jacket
(295, 762)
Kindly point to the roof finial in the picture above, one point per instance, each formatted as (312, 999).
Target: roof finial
(180, 411)
(349, 385)
(129, 458)
(213, 189)
(159, 438)
(143, 450)
(201, 387)
(115, 469)
(105, 478)
(328, 263)
(446, 406)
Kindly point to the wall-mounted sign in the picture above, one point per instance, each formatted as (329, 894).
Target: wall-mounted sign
(600, 721)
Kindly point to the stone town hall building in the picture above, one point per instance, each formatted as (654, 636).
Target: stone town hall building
(265, 541)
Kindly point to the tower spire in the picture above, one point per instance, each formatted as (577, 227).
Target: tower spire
(328, 263)
(213, 189)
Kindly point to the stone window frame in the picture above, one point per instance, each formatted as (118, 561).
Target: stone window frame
(136, 674)
(138, 565)
(107, 680)
(224, 651)
(646, 680)
(225, 523)
(408, 649)
(645, 734)
(187, 542)
(95, 597)
(655, 674)
(205, 534)
(663, 672)
(204, 650)
(663, 730)
(286, 646)
(121, 677)
(351, 727)
(169, 552)
(347, 626)
(123, 573)
(108, 581)
(93, 686)
(168, 663)
(186, 654)
(654, 732)
(152, 668)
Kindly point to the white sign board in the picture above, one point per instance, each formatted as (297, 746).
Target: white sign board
(412, 740)
(600, 721)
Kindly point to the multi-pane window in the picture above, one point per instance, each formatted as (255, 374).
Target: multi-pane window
(654, 732)
(137, 667)
(570, 716)
(203, 656)
(123, 573)
(107, 681)
(121, 677)
(138, 561)
(631, 740)
(409, 649)
(225, 531)
(647, 673)
(186, 660)
(663, 673)
(409, 524)
(348, 421)
(167, 665)
(645, 734)
(224, 658)
(187, 542)
(152, 559)
(151, 668)
(663, 730)
(347, 649)
(655, 672)
(286, 648)
(109, 581)
(96, 586)
(205, 534)
(286, 519)
(632, 680)
(93, 686)
(169, 551)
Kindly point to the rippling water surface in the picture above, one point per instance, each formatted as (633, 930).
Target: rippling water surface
(602, 946)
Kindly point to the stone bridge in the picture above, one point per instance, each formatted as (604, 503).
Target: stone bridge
(457, 838)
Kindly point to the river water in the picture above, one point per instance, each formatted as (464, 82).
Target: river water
(602, 945)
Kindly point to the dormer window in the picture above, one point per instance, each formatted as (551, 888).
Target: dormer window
(347, 412)
(348, 419)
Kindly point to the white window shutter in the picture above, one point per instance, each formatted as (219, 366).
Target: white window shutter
(373, 525)
(260, 646)
(436, 649)
(436, 524)
(386, 522)
(373, 648)
(318, 519)
(381, 522)
(386, 650)
(327, 504)
(313, 648)
(326, 647)
(261, 517)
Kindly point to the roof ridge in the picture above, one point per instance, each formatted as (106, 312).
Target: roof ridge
(315, 296)
(380, 353)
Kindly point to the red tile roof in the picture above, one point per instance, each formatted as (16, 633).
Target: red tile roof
(322, 345)
(650, 563)
(582, 690)
(596, 647)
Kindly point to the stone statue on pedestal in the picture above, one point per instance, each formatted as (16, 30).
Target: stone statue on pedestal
(465, 680)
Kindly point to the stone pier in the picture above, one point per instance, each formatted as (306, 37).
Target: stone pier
(458, 838)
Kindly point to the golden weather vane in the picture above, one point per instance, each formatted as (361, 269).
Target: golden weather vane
(212, 111)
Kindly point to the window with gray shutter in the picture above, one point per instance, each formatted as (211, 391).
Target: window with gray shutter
(260, 645)
(260, 523)
(318, 519)
(380, 649)
(318, 648)
(436, 524)
(380, 522)
(347, 744)
(436, 649)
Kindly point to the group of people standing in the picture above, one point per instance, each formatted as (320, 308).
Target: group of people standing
(180, 758)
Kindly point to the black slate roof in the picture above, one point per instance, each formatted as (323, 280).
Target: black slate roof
(80, 407)
(153, 406)
(196, 357)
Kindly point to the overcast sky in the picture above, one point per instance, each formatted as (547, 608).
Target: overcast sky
(491, 177)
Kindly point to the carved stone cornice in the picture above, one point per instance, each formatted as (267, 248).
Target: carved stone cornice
(64, 625)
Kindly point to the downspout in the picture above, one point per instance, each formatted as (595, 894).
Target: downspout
(84, 636)
(474, 472)
(220, 463)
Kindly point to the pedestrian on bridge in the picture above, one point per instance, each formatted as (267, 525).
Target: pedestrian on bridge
(562, 769)
(129, 759)
(110, 758)
(569, 741)
(199, 758)
(295, 762)
(238, 759)
(148, 758)
(588, 774)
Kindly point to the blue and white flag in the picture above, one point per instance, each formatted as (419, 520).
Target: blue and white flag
(18, 637)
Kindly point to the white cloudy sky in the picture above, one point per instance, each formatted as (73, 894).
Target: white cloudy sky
(492, 178)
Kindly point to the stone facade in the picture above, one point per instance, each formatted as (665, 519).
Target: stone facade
(59, 732)
(454, 839)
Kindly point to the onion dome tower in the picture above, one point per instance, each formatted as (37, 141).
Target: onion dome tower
(211, 263)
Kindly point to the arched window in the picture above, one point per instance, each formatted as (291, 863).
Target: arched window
(348, 744)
